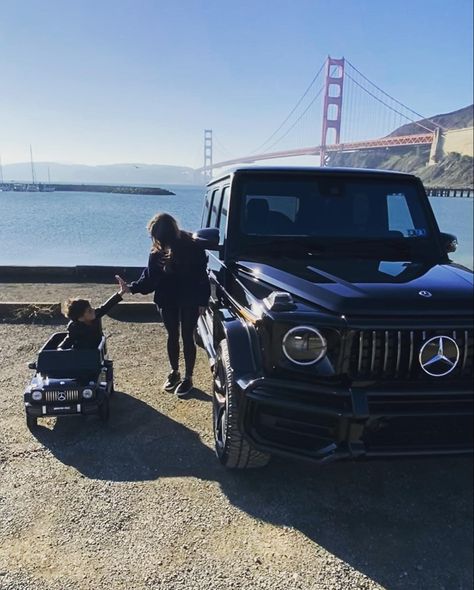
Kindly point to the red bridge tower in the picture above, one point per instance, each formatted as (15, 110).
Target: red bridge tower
(332, 109)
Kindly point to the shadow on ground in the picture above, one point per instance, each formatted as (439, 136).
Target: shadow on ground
(405, 524)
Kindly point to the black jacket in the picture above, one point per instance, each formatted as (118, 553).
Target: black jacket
(181, 281)
(82, 335)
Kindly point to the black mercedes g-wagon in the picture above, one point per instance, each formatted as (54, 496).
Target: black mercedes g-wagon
(338, 326)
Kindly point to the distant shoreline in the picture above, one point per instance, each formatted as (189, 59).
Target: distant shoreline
(84, 188)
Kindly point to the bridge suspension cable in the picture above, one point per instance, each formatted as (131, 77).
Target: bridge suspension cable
(318, 94)
(222, 147)
(287, 118)
(388, 106)
(390, 97)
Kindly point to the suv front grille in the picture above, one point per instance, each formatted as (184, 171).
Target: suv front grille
(67, 395)
(393, 354)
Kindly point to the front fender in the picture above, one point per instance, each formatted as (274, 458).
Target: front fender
(242, 342)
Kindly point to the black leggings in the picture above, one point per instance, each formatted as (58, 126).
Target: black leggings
(188, 317)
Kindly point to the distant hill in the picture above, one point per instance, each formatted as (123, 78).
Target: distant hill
(147, 174)
(453, 171)
(456, 120)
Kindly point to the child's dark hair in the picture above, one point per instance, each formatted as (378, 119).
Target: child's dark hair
(75, 308)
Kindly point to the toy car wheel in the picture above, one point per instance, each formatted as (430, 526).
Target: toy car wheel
(232, 449)
(110, 377)
(198, 339)
(104, 410)
(31, 422)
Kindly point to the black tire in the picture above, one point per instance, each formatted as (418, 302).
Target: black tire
(31, 422)
(232, 450)
(104, 410)
(110, 377)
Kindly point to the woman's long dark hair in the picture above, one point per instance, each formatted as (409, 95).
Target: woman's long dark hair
(167, 236)
(164, 232)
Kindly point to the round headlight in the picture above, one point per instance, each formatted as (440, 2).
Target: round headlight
(37, 396)
(304, 345)
(87, 393)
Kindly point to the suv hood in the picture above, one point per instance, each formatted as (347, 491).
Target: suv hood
(44, 381)
(370, 287)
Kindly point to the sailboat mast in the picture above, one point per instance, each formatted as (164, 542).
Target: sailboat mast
(32, 166)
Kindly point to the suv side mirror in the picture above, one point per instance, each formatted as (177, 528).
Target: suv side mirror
(208, 237)
(32, 366)
(450, 242)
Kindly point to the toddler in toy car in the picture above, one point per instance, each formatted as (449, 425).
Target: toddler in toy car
(85, 326)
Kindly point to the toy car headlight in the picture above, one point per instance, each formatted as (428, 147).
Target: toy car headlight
(36, 395)
(304, 345)
(87, 393)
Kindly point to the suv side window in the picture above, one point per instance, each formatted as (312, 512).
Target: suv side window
(223, 213)
(205, 212)
(211, 197)
(215, 206)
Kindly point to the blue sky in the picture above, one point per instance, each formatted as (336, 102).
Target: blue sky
(107, 81)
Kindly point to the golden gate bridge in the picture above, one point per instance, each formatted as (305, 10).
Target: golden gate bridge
(338, 88)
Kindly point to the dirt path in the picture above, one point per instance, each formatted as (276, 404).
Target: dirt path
(143, 503)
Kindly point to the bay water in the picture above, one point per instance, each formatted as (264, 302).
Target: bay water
(73, 228)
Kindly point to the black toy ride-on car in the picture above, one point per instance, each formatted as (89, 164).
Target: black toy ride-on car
(69, 382)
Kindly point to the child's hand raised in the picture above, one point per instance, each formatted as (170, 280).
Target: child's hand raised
(124, 288)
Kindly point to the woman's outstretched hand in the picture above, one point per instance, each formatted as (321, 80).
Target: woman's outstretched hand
(124, 288)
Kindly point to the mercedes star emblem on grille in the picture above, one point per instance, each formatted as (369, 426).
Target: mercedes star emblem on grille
(439, 356)
(61, 396)
(425, 293)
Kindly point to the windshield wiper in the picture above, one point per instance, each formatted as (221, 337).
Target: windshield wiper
(393, 245)
(282, 248)
(312, 245)
(294, 243)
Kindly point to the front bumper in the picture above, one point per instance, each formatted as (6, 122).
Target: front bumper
(325, 424)
(79, 408)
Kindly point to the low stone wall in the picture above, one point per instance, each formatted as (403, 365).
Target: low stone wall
(66, 274)
(29, 311)
(16, 311)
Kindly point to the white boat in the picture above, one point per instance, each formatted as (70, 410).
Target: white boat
(47, 188)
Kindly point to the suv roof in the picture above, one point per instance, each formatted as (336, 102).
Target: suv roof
(320, 170)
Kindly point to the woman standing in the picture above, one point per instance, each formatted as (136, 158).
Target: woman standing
(177, 274)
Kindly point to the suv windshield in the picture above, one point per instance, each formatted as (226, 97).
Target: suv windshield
(352, 213)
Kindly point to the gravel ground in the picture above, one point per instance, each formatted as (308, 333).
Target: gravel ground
(143, 504)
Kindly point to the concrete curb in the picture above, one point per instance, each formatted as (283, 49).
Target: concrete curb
(28, 311)
(67, 274)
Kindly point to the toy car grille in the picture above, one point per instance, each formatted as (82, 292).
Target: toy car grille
(66, 395)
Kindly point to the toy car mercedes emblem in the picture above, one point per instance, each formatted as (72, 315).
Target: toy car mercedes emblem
(439, 356)
(425, 293)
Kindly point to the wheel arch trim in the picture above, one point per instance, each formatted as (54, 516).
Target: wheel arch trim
(242, 341)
